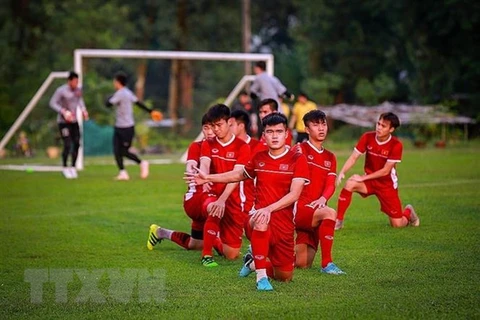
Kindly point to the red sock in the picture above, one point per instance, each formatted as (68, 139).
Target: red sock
(181, 238)
(218, 246)
(407, 213)
(260, 243)
(344, 200)
(325, 236)
(210, 231)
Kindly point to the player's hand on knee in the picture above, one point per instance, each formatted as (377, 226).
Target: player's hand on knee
(217, 209)
(262, 216)
(319, 203)
(356, 178)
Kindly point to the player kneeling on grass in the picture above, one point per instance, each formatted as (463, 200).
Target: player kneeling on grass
(192, 203)
(280, 175)
(124, 130)
(314, 220)
(382, 152)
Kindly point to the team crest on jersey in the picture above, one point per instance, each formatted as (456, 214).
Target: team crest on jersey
(310, 157)
(230, 154)
(284, 167)
(384, 152)
(327, 164)
(261, 164)
(215, 150)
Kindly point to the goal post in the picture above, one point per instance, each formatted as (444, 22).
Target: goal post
(80, 54)
(31, 105)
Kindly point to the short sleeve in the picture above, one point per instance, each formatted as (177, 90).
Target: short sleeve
(194, 151)
(362, 144)
(396, 154)
(249, 169)
(301, 168)
(205, 150)
(243, 155)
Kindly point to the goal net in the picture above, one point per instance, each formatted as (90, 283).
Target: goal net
(34, 139)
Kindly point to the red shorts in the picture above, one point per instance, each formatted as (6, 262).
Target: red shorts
(310, 238)
(306, 234)
(303, 215)
(389, 200)
(281, 252)
(192, 204)
(231, 225)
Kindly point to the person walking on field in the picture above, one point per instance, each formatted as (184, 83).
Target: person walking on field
(122, 100)
(65, 101)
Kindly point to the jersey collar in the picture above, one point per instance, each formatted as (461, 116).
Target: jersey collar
(280, 155)
(382, 143)
(315, 148)
(226, 143)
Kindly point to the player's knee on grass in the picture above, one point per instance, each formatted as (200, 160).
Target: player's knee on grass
(281, 275)
(195, 244)
(301, 257)
(398, 222)
(230, 253)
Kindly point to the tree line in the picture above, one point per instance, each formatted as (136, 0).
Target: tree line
(337, 51)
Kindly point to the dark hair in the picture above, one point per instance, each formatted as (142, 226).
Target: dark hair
(218, 112)
(243, 93)
(242, 117)
(303, 94)
(273, 119)
(316, 116)
(72, 75)
(392, 118)
(205, 119)
(271, 102)
(121, 77)
(261, 64)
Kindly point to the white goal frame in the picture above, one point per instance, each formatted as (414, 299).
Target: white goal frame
(33, 102)
(80, 54)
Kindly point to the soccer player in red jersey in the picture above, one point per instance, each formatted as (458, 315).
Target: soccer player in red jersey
(221, 154)
(382, 152)
(239, 125)
(314, 220)
(192, 203)
(280, 175)
(266, 107)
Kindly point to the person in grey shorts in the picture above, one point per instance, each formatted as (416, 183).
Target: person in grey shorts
(65, 101)
(122, 101)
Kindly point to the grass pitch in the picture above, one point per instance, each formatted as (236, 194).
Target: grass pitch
(65, 243)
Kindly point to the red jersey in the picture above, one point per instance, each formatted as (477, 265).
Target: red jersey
(224, 157)
(247, 187)
(322, 164)
(377, 155)
(274, 177)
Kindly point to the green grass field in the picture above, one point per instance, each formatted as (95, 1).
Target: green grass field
(94, 226)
